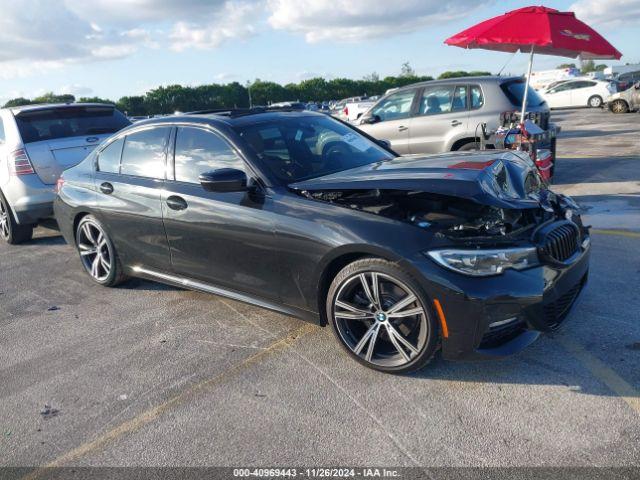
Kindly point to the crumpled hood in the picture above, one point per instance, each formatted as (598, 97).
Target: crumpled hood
(492, 177)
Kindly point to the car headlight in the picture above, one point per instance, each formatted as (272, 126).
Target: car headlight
(483, 263)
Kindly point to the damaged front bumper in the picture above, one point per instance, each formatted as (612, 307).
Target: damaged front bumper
(489, 317)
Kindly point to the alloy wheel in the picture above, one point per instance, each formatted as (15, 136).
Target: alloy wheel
(4, 221)
(595, 102)
(95, 252)
(619, 107)
(380, 319)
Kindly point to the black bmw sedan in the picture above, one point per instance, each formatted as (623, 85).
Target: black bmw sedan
(297, 212)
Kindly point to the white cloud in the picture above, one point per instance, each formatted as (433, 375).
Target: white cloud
(234, 20)
(53, 33)
(76, 90)
(355, 20)
(608, 13)
(44, 34)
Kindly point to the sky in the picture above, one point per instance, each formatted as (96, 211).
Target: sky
(113, 48)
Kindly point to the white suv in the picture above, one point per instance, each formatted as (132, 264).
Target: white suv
(38, 142)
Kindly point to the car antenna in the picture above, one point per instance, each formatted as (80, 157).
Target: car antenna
(507, 63)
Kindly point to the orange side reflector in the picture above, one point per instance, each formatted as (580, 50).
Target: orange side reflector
(443, 320)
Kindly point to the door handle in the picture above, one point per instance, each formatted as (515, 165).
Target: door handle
(402, 128)
(106, 188)
(455, 123)
(177, 203)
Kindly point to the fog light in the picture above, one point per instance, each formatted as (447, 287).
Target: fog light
(586, 243)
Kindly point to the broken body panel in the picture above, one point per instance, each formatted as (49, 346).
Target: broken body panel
(492, 196)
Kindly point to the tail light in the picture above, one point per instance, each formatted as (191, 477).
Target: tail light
(59, 184)
(346, 111)
(19, 163)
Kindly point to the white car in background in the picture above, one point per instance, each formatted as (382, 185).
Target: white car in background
(542, 79)
(581, 92)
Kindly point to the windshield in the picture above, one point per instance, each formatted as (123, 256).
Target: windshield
(301, 147)
(514, 90)
(53, 123)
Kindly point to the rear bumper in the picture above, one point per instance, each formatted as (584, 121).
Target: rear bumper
(29, 198)
(520, 305)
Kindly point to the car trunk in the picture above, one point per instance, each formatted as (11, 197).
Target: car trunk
(59, 137)
(51, 157)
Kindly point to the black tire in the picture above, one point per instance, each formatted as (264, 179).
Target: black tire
(97, 253)
(10, 231)
(469, 146)
(595, 101)
(394, 287)
(619, 106)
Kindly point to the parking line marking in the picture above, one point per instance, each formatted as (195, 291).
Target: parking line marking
(150, 415)
(604, 373)
(622, 233)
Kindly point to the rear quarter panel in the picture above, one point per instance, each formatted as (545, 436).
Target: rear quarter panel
(76, 197)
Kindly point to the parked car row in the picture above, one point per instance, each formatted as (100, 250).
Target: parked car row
(295, 211)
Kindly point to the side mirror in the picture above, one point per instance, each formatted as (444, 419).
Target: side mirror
(224, 180)
(371, 120)
(385, 143)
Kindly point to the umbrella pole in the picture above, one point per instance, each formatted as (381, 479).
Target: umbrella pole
(526, 87)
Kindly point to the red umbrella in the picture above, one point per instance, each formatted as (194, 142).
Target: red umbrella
(536, 30)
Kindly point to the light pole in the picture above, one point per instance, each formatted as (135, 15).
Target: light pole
(249, 90)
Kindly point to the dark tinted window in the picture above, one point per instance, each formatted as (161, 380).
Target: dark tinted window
(583, 84)
(561, 87)
(109, 159)
(144, 153)
(199, 151)
(514, 90)
(295, 148)
(66, 122)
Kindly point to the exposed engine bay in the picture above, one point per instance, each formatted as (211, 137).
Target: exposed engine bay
(453, 217)
(500, 200)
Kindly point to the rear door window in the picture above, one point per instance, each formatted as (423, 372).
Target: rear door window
(477, 99)
(65, 122)
(144, 153)
(438, 99)
(199, 151)
(109, 158)
(395, 107)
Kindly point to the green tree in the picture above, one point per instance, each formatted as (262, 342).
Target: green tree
(133, 106)
(462, 73)
(95, 100)
(265, 93)
(373, 77)
(17, 102)
(406, 70)
(590, 66)
(50, 97)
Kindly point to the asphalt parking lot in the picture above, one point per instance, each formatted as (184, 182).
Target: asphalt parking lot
(149, 375)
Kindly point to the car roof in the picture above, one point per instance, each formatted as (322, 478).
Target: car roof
(48, 106)
(482, 80)
(231, 117)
